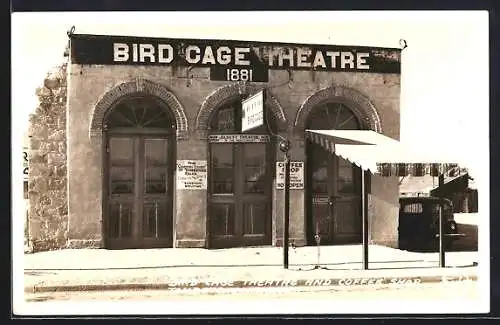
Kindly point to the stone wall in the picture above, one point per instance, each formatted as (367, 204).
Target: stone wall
(48, 210)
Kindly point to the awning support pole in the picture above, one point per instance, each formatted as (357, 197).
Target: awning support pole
(364, 217)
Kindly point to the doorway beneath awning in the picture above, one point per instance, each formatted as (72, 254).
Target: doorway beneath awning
(377, 154)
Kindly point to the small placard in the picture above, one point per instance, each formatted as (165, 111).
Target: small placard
(191, 174)
(296, 175)
(252, 112)
(242, 138)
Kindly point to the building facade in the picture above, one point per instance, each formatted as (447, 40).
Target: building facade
(156, 158)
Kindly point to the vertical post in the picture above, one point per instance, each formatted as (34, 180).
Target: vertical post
(286, 216)
(442, 261)
(364, 217)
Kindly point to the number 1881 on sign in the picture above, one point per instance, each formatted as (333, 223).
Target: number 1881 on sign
(238, 74)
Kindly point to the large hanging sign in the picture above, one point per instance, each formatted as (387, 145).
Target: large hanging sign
(240, 138)
(232, 60)
(252, 112)
(191, 174)
(296, 175)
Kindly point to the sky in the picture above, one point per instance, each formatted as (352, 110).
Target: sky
(444, 69)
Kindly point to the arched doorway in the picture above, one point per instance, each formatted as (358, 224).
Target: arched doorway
(334, 184)
(240, 180)
(140, 155)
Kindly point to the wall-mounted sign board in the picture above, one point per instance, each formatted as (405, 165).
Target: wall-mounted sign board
(241, 138)
(296, 175)
(232, 60)
(192, 174)
(252, 111)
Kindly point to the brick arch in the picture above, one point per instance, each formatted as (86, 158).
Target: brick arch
(360, 105)
(228, 93)
(145, 87)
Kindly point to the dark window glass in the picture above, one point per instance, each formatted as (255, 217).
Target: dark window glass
(222, 168)
(319, 172)
(156, 166)
(254, 167)
(333, 116)
(345, 180)
(122, 180)
(222, 219)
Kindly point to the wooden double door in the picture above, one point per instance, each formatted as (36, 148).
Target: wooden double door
(138, 208)
(334, 198)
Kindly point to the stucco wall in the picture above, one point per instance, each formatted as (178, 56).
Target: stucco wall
(88, 84)
(383, 210)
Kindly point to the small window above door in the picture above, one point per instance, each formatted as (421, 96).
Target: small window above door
(139, 112)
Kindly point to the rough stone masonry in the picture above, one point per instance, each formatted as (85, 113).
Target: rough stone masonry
(47, 185)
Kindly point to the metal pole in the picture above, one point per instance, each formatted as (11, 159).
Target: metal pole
(364, 218)
(442, 261)
(286, 216)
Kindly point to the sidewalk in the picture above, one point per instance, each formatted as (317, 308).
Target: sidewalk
(99, 269)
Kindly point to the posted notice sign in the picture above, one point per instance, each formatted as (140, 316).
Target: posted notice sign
(192, 174)
(296, 175)
(252, 114)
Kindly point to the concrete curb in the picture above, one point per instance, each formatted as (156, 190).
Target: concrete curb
(350, 282)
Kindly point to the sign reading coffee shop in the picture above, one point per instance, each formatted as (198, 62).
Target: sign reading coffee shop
(296, 175)
(192, 174)
(231, 60)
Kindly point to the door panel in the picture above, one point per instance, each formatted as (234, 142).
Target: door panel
(335, 203)
(239, 209)
(139, 213)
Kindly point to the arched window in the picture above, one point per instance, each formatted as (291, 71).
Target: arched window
(140, 147)
(240, 180)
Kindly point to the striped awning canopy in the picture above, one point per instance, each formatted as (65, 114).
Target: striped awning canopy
(383, 155)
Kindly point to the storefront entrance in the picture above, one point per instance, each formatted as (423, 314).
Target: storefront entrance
(240, 181)
(334, 184)
(140, 147)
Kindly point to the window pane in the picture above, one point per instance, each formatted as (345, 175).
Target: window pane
(156, 180)
(156, 151)
(155, 220)
(345, 180)
(319, 161)
(222, 168)
(122, 180)
(254, 167)
(413, 208)
(254, 219)
(121, 151)
(222, 219)
(120, 220)
(224, 119)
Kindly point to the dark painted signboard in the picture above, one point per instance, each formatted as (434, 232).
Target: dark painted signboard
(231, 60)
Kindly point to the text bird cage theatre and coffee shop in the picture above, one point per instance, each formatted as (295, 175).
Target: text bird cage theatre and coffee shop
(159, 154)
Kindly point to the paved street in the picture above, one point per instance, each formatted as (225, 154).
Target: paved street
(448, 291)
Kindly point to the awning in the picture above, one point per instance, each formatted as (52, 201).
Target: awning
(383, 155)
